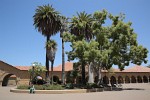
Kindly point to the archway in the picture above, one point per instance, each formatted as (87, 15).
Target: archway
(86, 79)
(139, 79)
(9, 79)
(56, 79)
(79, 80)
(113, 80)
(105, 80)
(133, 79)
(145, 79)
(96, 79)
(120, 79)
(127, 79)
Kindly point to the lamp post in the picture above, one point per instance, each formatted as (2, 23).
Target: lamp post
(33, 66)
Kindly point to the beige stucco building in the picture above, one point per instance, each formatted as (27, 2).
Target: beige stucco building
(136, 74)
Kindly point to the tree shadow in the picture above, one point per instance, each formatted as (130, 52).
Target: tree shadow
(133, 89)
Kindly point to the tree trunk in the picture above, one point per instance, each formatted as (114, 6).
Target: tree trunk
(83, 73)
(52, 63)
(47, 63)
(63, 63)
(99, 76)
(91, 74)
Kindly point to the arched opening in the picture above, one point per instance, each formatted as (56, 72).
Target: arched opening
(96, 79)
(149, 78)
(105, 80)
(56, 79)
(9, 79)
(127, 79)
(145, 79)
(139, 79)
(86, 79)
(113, 80)
(133, 79)
(120, 79)
(79, 80)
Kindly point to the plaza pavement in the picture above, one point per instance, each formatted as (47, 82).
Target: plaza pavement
(129, 92)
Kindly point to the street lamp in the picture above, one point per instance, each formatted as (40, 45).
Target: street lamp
(33, 66)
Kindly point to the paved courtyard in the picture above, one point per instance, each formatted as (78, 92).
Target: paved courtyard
(129, 92)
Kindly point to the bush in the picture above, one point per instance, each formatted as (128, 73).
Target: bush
(69, 86)
(23, 87)
(42, 87)
(92, 85)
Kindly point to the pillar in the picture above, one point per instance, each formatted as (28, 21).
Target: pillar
(130, 80)
(136, 80)
(123, 80)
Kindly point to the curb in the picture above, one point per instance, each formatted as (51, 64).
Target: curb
(50, 91)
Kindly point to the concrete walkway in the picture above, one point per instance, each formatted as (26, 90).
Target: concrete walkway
(129, 92)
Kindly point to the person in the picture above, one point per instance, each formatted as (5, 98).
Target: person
(32, 89)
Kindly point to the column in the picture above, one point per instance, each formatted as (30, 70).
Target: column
(130, 79)
(123, 80)
(136, 80)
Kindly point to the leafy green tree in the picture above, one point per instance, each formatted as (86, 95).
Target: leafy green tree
(37, 70)
(51, 47)
(115, 44)
(78, 49)
(80, 26)
(148, 66)
(47, 21)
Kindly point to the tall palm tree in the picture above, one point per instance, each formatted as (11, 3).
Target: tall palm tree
(63, 29)
(47, 21)
(81, 26)
(51, 51)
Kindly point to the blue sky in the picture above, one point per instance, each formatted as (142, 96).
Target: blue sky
(22, 44)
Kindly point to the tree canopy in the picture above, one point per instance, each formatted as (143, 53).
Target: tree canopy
(108, 44)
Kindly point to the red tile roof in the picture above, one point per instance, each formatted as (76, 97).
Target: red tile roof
(69, 66)
(23, 67)
(137, 69)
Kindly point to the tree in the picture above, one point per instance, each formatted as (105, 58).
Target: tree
(115, 44)
(37, 70)
(47, 21)
(80, 26)
(63, 29)
(51, 47)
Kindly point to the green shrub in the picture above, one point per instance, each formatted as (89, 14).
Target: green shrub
(69, 86)
(92, 85)
(23, 87)
(42, 87)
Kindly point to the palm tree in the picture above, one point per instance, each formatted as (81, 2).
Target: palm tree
(47, 21)
(63, 29)
(81, 26)
(51, 51)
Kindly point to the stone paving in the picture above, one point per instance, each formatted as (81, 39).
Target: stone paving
(129, 92)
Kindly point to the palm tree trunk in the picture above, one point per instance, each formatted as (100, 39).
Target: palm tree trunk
(63, 63)
(83, 73)
(47, 63)
(52, 63)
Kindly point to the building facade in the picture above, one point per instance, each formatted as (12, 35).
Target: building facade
(20, 74)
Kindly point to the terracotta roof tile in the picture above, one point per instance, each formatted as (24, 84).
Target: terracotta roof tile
(68, 67)
(137, 69)
(23, 67)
